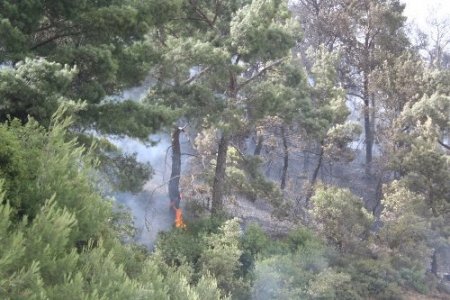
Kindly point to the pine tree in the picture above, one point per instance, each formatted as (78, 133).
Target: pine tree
(365, 32)
(215, 56)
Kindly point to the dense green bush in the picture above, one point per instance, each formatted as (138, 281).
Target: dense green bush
(58, 234)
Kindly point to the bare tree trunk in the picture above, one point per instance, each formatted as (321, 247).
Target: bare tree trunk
(372, 126)
(315, 175)
(259, 145)
(367, 123)
(219, 177)
(174, 183)
(434, 265)
(286, 158)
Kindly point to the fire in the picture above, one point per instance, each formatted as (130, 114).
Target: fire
(179, 219)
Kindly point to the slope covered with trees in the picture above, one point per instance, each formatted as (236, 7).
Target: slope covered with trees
(324, 115)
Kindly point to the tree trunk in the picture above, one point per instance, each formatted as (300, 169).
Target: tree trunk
(259, 145)
(434, 264)
(367, 124)
(378, 207)
(219, 176)
(174, 183)
(315, 175)
(372, 125)
(286, 158)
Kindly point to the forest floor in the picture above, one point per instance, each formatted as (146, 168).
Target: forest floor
(259, 212)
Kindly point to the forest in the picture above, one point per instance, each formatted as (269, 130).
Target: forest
(305, 143)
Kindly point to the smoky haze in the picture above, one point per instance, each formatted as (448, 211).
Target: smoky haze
(149, 208)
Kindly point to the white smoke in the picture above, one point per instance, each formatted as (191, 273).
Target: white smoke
(149, 208)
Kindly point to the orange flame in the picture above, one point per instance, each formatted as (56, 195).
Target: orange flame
(179, 219)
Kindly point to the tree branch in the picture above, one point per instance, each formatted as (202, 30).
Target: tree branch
(216, 14)
(190, 19)
(43, 28)
(242, 155)
(355, 95)
(193, 78)
(190, 154)
(444, 145)
(184, 127)
(277, 62)
(200, 13)
(53, 38)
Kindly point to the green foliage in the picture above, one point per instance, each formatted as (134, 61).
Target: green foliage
(255, 36)
(224, 66)
(135, 61)
(17, 280)
(47, 241)
(59, 235)
(98, 37)
(221, 256)
(418, 201)
(435, 107)
(207, 248)
(255, 240)
(299, 238)
(254, 244)
(207, 288)
(404, 230)
(34, 87)
(328, 124)
(13, 43)
(424, 164)
(330, 284)
(341, 217)
(132, 118)
(244, 177)
(328, 99)
(95, 63)
(283, 94)
(374, 277)
(120, 171)
(287, 276)
(12, 164)
(401, 79)
(107, 46)
(216, 67)
(126, 173)
(53, 168)
(405, 234)
(177, 247)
